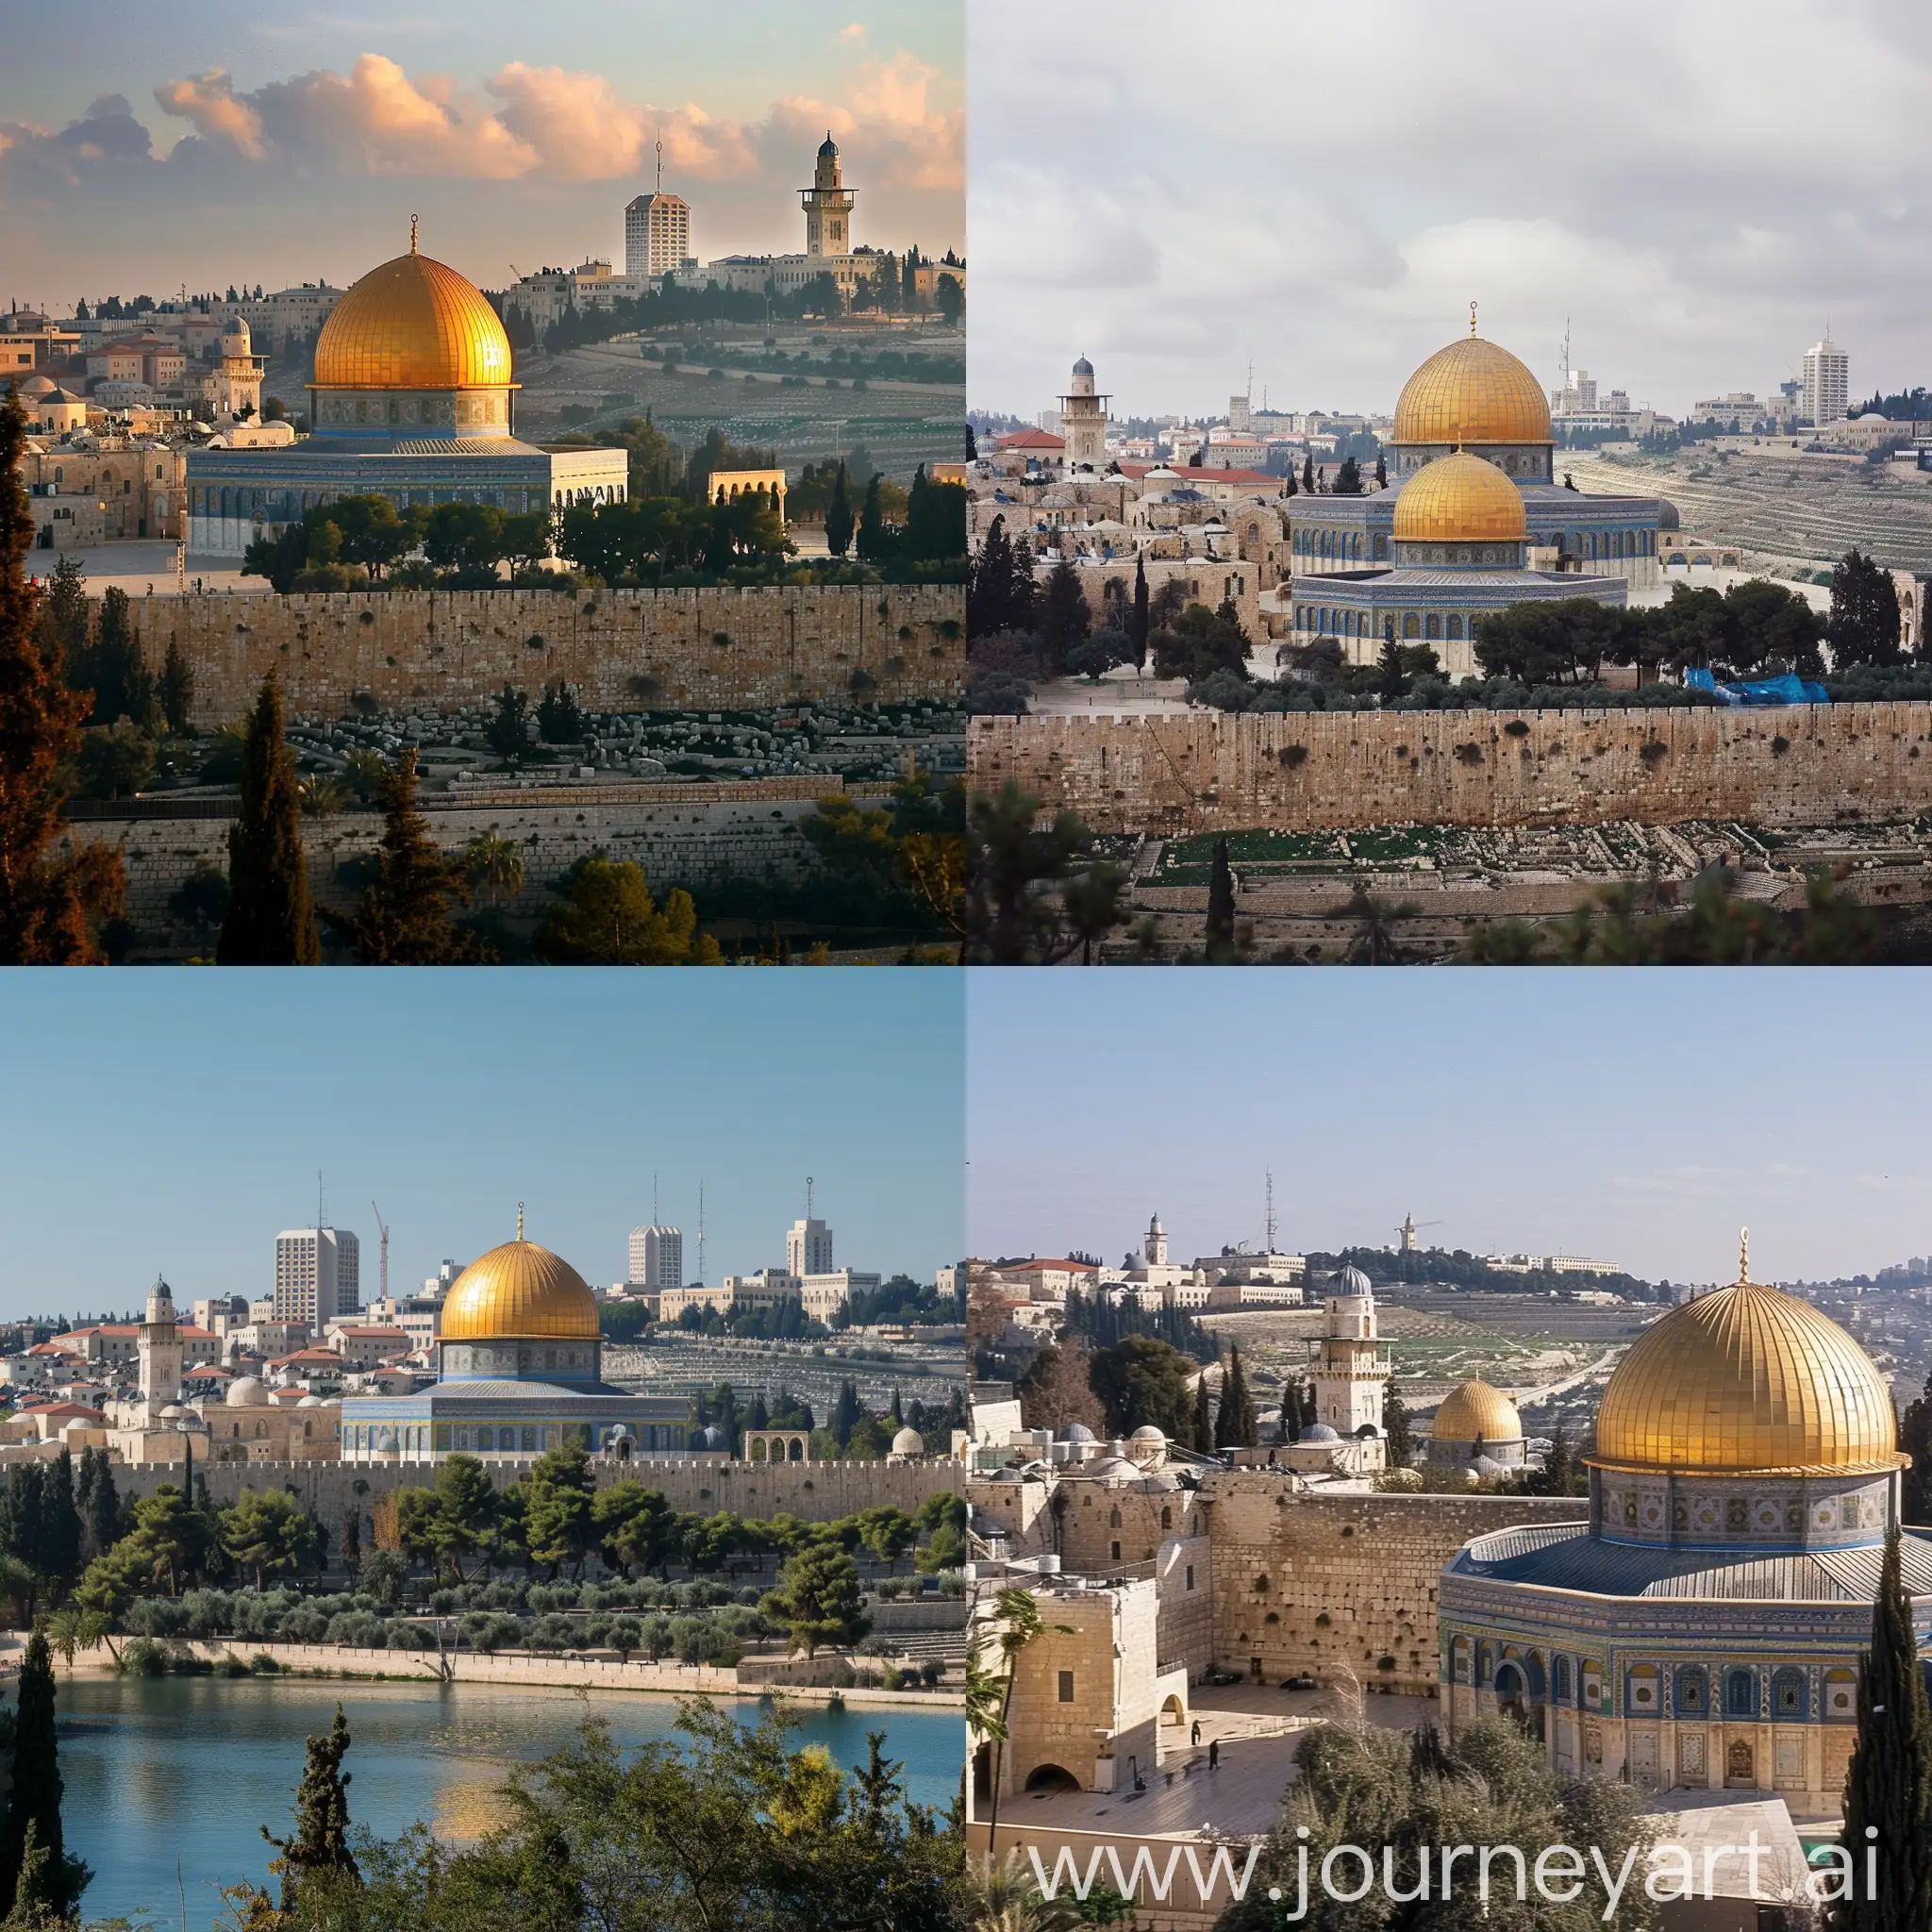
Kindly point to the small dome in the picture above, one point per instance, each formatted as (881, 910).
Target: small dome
(1083, 367)
(1354, 1282)
(171, 1412)
(1460, 499)
(1317, 1432)
(36, 386)
(246, 1391)
(1477, 1412)
(827, 148)
(1148, 1433)
(1667, 515)
(908, 1442)
(236, 339)
(310, 1402)
(1078, 1432)
(1472, 391)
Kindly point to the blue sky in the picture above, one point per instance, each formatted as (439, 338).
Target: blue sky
(1638, 1116)
(1321, 188)
(273, 144)
(175, 1121)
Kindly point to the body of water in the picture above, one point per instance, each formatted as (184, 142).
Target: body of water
(161, 1768)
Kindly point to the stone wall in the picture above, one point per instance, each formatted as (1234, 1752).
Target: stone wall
(1325, 1584)
(720, 650)
(689, 835)
(815, 1491)
(1219, 771)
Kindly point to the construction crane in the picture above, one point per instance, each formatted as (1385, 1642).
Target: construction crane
(382, 1228)
(1405, 1232)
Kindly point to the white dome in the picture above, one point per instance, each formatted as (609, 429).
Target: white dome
(310, 1402)
(236, 340)
(1078, 1432)
(172, 1411)
(1317, 1432)
(908, 1442)
(246, 1391)
(1147, 1433)
(1355, 1282)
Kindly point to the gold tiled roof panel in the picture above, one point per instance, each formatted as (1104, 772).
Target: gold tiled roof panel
(1746, 1377)
(1472, 392)
(412, 324)
(1461, 499)
(522, 1291)
(1475, 1410)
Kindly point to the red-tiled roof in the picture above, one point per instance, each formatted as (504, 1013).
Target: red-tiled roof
(1032, 438)
(1038, 1264)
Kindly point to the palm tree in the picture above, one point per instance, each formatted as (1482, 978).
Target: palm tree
(1005, 1898)
(1015, 1623)
(70, 1630)
(495, 865)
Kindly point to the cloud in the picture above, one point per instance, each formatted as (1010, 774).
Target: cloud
(854, 34)
(208, 101)
(38, 164)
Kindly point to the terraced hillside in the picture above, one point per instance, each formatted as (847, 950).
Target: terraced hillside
(1783, 507)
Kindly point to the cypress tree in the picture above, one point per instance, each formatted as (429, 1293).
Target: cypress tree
(1888, 1780)
(404, 917)
(1220, 905)
(100, 1505)
(1234, 1424)
(1138, 624)
(61, 1534)
(874, 540)
(1307, 475)
(1204, 1417)
(271, 917)
(49, 905)
(1395, 1428)
(33, 1806)
(177, 689)
(838, 516)
(320, 1846)
(1915, 1438)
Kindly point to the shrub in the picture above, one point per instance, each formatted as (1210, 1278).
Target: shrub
(141, 1658)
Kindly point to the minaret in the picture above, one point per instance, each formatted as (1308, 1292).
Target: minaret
(159, 1350)
(827, 204)
(1351, 1373)
(1083, 419)
(1156, 1249)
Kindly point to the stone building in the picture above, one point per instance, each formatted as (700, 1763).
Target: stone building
(93, 491)
(1702, 1628)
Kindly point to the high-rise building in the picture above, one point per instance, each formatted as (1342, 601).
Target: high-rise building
(657, 234)
(827, 204)
(1826, 389)
(809, 1248)
(656, 1259)
(318, 1276)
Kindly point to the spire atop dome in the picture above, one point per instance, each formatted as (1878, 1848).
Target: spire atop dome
(1743, 1253)
(1471, 318)
(412, 234)
(520, 1221)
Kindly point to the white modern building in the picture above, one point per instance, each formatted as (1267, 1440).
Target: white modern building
(809, 1247)
(657, 1260)
(657, 234)
(318, 1276)
(1826, 389)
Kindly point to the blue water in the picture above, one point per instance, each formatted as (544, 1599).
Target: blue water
(157, 1767)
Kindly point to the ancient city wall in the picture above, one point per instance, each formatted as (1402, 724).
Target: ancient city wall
(721, 650)
(1219, 771)
(814, 1491)
(1331, 1584)
(689, 835)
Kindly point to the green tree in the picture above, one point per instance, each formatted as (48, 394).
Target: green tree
(607, 917)
(267, 1532)
(1138, 624)
(1863, 628)
(116, 760)
(876, 540)
(1234, 1421)
(560, 717)
(177, 690)
(839, 526)
(1888, 1780)
(1915, 1438)
(495, 865)
(318, 1849)
(54, 1880)
(1013, 1623)
(404, 917)
(508, 729)
(1142, 1379)
(52, 904)
(1219, 906)
(271, 918)
(818, 1600)
(466, 1510)
(1395, 1428)
(1065, 616)
(1018, 873)
(110, 667)
(560, 1526)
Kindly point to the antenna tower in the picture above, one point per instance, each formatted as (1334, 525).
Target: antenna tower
(1271, 1210)
(320, 1204)
(660, 161)
(701, 1232)
(1566, 352)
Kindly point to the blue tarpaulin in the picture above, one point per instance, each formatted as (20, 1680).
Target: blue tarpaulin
(1788, 690)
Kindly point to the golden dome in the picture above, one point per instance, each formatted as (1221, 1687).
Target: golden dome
(1472, 392)
(1476, 1411)
(520, 1291)
(1746, 1377)
(412, 324)
(1461, 499)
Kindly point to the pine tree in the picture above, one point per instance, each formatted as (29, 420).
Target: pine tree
(1888, 1780)
(1395, 1428)
(1065, 618)
(1864, 624)
(177, 690)
(320, 1846)
(404, 917)
(271, 917)
(1220, 905)
(99, 1504)
(33, 1804)
(839, 515)
(50, 905)
(1138, 624)
(109, 668)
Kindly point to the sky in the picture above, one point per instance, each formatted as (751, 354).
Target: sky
(174, 1122)
(1638, 1117)
(1322, 189)
(273, 144)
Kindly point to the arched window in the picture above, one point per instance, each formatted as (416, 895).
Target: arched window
(1435, 625)
(1789, 1695)
(1740, 1693)
(1455, 626)
(1692, 1693)
(1562, 1676)
(1411, 628)
(1113, 1519)
(1166, 1517)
